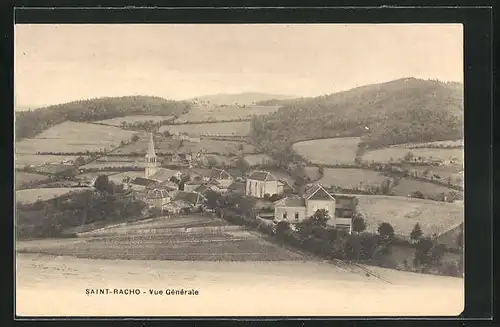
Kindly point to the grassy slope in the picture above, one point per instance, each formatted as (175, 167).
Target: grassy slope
(400, 111)
(31, 123)
(246, 98)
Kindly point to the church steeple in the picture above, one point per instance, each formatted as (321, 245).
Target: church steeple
(151, 162)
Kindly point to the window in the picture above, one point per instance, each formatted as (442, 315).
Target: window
(296, 216)
(284, 215)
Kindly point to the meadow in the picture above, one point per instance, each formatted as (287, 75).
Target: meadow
(398, 152)
(333, 151)
(44, 194)
(73, 137)
(162, 145)
(23, 178)
(217, 113)
(350, 178)
(259, 159)
(22, 160)
(133, 119)
(403, 213)
(408, 186)
(217, 147)
(114, 165)
(210, 129)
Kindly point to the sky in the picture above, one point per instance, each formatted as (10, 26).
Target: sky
(61, 63)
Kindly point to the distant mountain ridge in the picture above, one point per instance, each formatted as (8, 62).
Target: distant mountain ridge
(30, 123)
(400, 111)
(245, 98)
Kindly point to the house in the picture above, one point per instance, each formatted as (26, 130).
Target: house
(157, 198)
(220, 176)
(202, 189)
(176, 207)
(295, 209)
(140, 183)
(260, 183)
(164, 174)
(192, 185)
(193, 198)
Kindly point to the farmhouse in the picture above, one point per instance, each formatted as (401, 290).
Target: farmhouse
(260, 183)
(295, 209)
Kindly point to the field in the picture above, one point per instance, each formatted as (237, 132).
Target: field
(167, 239)
(71, 137)
(259, 159)
(44, 194)
(449, 143)
(333, 151)
(217, 147)
(22, 160)
(114, 164)
(210, 129)
(51, 285)
(350, 178)
(22, 178)
(216, 113)
(134, 119)
(408, 186)
(398, 152)
(403, 213)
(162, 145)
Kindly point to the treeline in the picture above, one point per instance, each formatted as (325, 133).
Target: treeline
(315, 236)
(32, 122)
(402, 111)
(108, 202)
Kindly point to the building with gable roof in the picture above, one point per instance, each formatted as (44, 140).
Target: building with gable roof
(295, 209)
(260, 183)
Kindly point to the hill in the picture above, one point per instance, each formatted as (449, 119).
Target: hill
(246, 98)
(401, 111)
(32, 122)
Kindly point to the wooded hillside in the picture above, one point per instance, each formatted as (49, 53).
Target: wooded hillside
(401, 111)
(30, 123)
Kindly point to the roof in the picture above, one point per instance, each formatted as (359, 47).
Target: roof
(317, 192)
(166, 186)
(236, 186)
(156, 194)
(191, 197)
(202, 189)
(164, 174)
(151, 147)
(211, 173)
(142, 181)
(263, 176)
(291, 201)
(196, 182)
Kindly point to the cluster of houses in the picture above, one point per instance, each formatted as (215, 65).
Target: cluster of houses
(161, 188)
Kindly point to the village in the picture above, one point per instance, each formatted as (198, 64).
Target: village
(170, 192)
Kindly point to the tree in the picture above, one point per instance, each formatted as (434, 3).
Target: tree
(80, 161)
(409, 156)
(386, 232)
(358, 224)
(417, 195)
(320, 217)
(282, 227)
(213, 199)
(422, 251)
(416, 233)
(102, 183)
(385, 186)
(135, 138)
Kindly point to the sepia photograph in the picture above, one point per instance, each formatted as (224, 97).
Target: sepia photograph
(238, 170)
